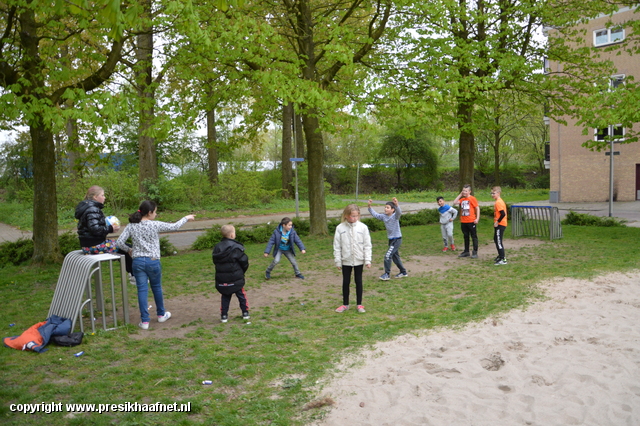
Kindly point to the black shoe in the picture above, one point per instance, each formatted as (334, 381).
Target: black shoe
(464, 254)
(224, 318)
(267, 275)
(245, 315)
(474, 255)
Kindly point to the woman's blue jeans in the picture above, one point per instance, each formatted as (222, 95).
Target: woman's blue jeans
(148, 270)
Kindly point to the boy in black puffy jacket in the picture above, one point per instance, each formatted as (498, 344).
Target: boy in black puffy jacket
(231, 262)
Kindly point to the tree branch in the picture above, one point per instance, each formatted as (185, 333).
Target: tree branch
(98, 77)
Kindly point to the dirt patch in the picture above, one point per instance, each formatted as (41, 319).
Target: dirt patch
(192, 311)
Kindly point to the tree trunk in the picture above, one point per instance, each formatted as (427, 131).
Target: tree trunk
(311, 125)
(73, 150)
(298, 134)
(212, 147)
(147, 161)
(45, 206)
(287, 171)
(315, 151)
(496, 157)
(467, 144)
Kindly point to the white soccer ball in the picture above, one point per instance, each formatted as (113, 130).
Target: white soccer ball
(113, 221)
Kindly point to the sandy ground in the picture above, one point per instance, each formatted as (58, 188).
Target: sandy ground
(571, 360)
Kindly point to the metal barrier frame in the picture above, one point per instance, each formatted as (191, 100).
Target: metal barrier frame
(538, 221)
(73, 290)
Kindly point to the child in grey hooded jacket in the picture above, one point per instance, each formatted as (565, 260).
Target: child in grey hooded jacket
(447, 216)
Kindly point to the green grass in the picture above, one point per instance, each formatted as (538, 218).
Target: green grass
(264, 373)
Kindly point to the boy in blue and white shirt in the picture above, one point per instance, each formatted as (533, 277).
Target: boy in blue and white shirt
(447, 216)
(391, 219)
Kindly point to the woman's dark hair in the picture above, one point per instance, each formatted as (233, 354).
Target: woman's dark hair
(285, 220)
(146, 207)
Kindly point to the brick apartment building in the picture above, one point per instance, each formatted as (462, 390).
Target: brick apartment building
(578, 174)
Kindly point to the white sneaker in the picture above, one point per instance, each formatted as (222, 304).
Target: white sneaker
(164, 317)
(132, 279)
(144, 325)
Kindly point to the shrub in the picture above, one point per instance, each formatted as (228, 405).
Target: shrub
(68, 242)
(512, 177)
(16, 252)
(259, 234)
(583, 219)
(423, 217)
(208, 240)
(21, 251)
(242, 190)
(301, 226)
(121, 190)
(542, 181)
(166, 248)
(187, 191)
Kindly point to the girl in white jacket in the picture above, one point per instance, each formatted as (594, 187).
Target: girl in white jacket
(351, 251)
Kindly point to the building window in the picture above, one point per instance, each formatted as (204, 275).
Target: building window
(608, 36)
(617, 81)
(602, 134)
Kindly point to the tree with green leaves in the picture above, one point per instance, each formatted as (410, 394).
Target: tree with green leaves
(37, 81)
(580, 84)
(505, 117)
(319, 48)
(409, 146)
(464, 50)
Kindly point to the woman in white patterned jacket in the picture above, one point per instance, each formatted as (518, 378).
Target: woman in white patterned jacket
(143, 231)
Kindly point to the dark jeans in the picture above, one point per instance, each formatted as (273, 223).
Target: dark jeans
(469, 229)
(393, 254)
(498, 233)
(242, 299)
(346, 281)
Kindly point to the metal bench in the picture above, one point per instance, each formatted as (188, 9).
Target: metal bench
(73, 290)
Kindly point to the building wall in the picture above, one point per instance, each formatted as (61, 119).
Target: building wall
(578, 174)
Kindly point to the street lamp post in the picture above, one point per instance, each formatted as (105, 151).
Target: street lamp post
(611, 154)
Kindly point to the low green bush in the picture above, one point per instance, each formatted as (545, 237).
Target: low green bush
(262, 233)
(242, 190)
(423, 217)
(68, 242)
(21, 251)
(15, 252)
(583, 219)
(208, 240)
(166, 248)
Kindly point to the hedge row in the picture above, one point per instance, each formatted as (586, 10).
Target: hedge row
(21, 251)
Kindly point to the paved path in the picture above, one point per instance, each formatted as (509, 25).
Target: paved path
(627, 210)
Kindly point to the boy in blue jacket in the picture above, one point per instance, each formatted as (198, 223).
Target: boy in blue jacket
(282, 240)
